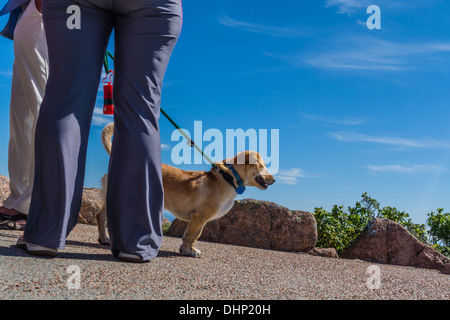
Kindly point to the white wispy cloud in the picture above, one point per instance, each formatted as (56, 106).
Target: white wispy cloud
(100, 121)
(405, 168)
(99, 111)
(369, 54)
(350, 7)
(287, 180)
(7, 73)
(267, 29)
(341, 121)
(347, 6)
(394, 141)
(293, 175)
(290, 176)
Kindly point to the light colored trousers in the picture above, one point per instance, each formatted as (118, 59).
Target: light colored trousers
(145, 34)
(30, 72)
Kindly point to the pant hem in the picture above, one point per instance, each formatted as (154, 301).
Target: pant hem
(11, 204)
(59, 245)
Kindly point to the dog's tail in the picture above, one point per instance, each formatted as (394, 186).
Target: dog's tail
(107, 134)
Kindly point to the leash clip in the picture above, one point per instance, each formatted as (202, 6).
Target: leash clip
(108, 78)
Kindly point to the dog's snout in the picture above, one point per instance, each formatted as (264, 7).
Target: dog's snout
(269, 179)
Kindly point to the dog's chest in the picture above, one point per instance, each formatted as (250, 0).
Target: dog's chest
(224, 208)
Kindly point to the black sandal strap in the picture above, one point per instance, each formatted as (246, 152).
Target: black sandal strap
(4, 217)
(18, 217)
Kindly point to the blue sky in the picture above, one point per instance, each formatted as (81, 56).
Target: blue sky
(357, 110)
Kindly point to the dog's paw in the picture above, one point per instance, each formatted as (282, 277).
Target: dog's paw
(195, 253)
(104, 242)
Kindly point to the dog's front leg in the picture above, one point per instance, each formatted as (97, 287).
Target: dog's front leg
(191, 234)
(194, 241)
(101, 224)
(101, 214)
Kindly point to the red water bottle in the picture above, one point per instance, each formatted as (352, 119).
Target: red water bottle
(108, 104)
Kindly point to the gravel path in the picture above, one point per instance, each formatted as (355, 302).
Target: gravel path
(223, 272)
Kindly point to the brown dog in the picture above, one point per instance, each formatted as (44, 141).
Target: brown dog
(198, 196)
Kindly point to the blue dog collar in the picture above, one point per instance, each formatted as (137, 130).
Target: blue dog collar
(240, 188)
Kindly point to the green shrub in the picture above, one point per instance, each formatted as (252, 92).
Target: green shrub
(439, 231)
(165, 227)
(339, 228)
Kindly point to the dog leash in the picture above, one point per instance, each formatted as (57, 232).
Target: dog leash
(228, 178)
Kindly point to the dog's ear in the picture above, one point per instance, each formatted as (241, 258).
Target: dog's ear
(220, 165)
(242, 157)
(252, 157)
(248, 158)
(231, 160)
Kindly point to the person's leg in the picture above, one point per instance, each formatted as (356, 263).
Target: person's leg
(145, 34)
(30, 73)
(76, 57)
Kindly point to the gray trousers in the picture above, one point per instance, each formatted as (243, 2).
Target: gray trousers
(145, 34)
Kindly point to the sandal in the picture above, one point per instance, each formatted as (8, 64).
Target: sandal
(9, 222)
(3, 219)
